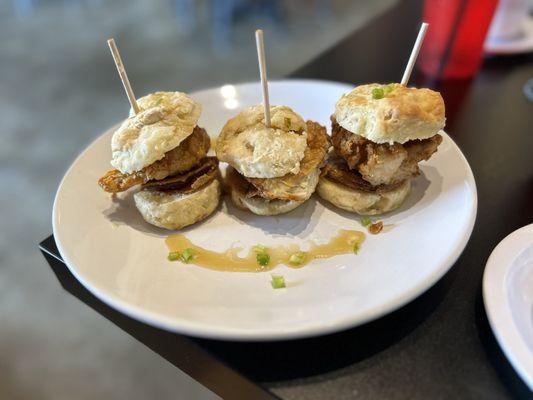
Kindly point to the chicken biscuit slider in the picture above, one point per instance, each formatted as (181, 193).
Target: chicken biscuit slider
(380, 133)
(272, 169)
(163, 149)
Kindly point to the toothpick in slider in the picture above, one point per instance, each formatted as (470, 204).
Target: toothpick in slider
(263, 73)
(414, 53)
(123, 75)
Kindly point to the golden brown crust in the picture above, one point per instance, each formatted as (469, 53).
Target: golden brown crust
(402, 114)
(184, 157)
(295, 186)
(175, 161)
(114, 181)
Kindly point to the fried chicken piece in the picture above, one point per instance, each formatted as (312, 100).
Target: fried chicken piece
(338, 171)
(115, 181)
(382, 164)
(175, 161)
(349, 146)
(297, 186)
(419, 150)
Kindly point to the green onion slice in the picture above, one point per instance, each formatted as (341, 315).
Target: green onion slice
(174, 256)
(365, 221)
(262, 259)
(377, 93)
(388, 88)
(356, 248)
(278, 281)
(187, 255)
(259, 248)
(297, 258)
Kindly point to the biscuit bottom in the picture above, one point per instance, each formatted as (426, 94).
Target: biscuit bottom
(362, 202)
(176, 210)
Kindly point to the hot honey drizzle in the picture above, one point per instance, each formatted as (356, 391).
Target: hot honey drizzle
(344, 242)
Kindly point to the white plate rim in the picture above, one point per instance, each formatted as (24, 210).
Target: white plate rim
(496, 302)
(207, 331)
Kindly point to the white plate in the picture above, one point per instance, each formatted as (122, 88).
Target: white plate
(122, 260)
(508, 297)
(522, 44)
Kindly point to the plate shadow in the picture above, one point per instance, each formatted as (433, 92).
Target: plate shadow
(301, 219)
(123, 211)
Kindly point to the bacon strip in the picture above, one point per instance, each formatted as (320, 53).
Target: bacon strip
(190, 181)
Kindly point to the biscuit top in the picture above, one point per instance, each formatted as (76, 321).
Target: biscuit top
(256, 151)
(391, 113)
(164, 121)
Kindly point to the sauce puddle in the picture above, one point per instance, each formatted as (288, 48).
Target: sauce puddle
(343, 242)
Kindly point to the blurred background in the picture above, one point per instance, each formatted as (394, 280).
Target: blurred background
(58, 91)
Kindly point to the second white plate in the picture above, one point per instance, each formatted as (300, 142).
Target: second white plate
(122, 260)
(508, 298)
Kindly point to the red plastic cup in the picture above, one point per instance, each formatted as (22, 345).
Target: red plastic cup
(453, 47)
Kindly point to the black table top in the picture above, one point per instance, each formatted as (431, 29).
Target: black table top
(439, 345)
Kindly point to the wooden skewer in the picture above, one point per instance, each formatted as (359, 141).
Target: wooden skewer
(123, 75)
(414, 53)
(263, 73)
